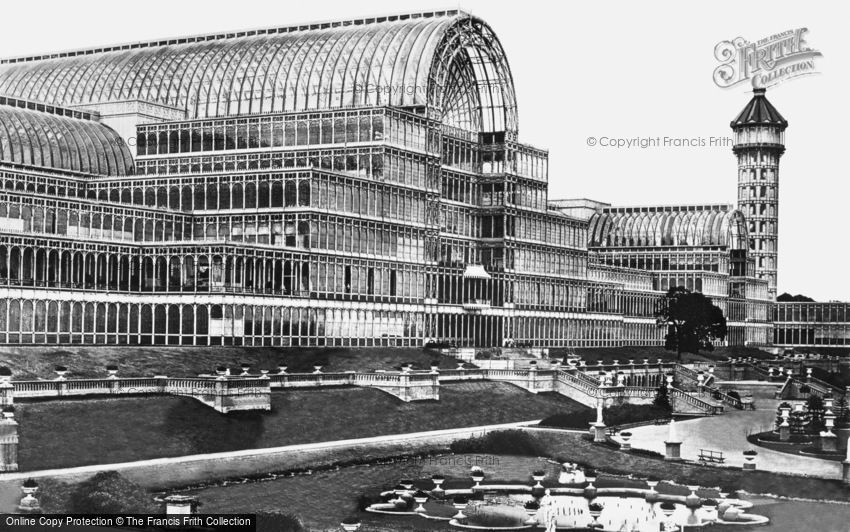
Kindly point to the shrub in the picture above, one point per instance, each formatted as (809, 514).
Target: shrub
(532, 505)
(507, 442)
(815, 407)
(279, 522)
(661, 400)
(734, 394)
(366, 500)
(570, 420)
(350, 520)
(105, 493)
(626, 413)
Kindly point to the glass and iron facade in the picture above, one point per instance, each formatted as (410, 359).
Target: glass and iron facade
(703, 248)
(812, 324)
(348, 183)
(357, 182)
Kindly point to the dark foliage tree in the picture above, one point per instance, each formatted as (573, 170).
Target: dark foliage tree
(662, 400)
(693, 322)
(799, 422)
(814, 405)
(842, 411)
(785, 297)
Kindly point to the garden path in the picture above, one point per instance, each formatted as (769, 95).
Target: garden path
(727, 433)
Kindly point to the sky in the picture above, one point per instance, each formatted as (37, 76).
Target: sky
(613, 70)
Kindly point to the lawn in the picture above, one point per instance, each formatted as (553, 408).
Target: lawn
(56, 434)
(134, 361)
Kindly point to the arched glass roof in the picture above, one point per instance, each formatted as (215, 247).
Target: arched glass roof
(668, 226)
(449, 62)
(38, 138)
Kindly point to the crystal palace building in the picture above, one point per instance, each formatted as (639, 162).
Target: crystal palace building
(357, 183)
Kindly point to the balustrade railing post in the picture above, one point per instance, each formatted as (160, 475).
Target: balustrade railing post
(7, 389)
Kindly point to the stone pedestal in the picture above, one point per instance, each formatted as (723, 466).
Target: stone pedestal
(29, 504)
(7, 391)
(8, 440)
(784, 432)
(180, 504)
(600, 433)
(749, 466)
(843, 434)
(845, 471)
(673, 444)
(828, 442)
(673, 450)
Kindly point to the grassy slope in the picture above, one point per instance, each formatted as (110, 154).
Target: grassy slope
(72, 433)
(38, 362)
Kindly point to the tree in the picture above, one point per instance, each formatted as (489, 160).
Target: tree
(692, 321)
(814, 405)
(843, 412)
(799, 298)
(662, 400)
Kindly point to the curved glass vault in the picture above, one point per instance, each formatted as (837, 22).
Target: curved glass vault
(451, 65)
(668, 227)
(36, 138)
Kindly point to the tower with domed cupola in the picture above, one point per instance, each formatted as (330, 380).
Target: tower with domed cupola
(759, 142)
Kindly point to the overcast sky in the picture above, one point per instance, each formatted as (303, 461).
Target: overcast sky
(602, 69)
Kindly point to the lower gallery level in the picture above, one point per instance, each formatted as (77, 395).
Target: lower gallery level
(69, 317)
(811, 324)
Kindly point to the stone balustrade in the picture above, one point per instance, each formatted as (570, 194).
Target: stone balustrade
(636, 383)
(222, 394)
